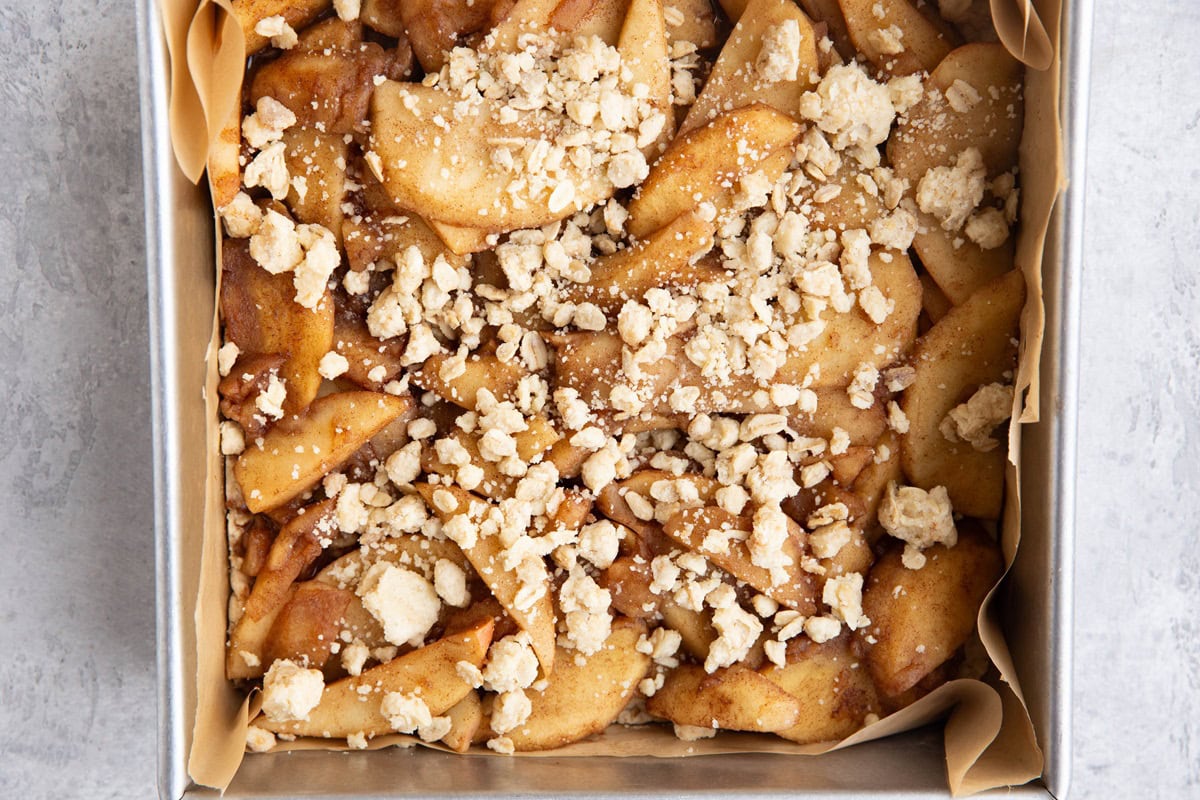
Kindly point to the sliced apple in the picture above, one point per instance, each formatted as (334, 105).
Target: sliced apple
(295, 547)
(698, 25)
(298, 451)
(308, 624)
(628, 581)
(357, 622)
(933, 133)
(388, 233)
(487, 557)
(224, 167)
(584, 697)
(872, 482)
(855, 556)
(704, 165)
(248, 640)
(934, 302)
(573, 511)
(261, 317)
(412, 550)
(529, 16)
(568, 18)
(690, 527)
(896, 37)
(829, 12)
(852, 207)
(646, 53)
(440, 164)
(603, 18)
(733, 8)
(331, 32)
(612, 504)
(433, 26)
(531, 443)
(364, 353)
(971, 346)
(447, 173)
(735, 80)
(461, 241)
(384, 16)
(834, 410)
(852, 339)
(297, 13)
(909, 641)
(482, 372)
(695, 628)
(313, 160)
(466, 719)
(328, 89)
(733, 698)
(644, 479)
(495, 485)
(846, 466)
(957, 265)
(667, 258)
(833, 686)
(428, 672)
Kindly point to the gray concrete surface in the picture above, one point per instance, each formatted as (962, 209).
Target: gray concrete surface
(76, 578)
(1137, 673)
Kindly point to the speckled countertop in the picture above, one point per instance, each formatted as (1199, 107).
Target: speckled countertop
(77, 681)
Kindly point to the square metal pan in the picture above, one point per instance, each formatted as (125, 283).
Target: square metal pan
(179, 237)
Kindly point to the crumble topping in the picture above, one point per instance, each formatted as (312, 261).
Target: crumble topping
(585, 609)
(405, 604)
(267, 124)
(693, 733)
(822, 629)
(779, 57)
(919, 518)
(583, 118)
(259, 740)
(450, 582)
(510, 710)
(973, 421)
(241, 216)
(233, 440)
(408, 713)
(347, 10)
(850, 107)
(987, 228)
(227, 356)
(290, 691)
(354, 657)
(843, 595)
(738, 631)
(889, 40)
(269, 170)
(951, 193)
(332, 365)
(270, 401)
(278, 31)
(511, 665)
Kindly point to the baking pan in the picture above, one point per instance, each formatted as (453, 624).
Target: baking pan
(179, 238)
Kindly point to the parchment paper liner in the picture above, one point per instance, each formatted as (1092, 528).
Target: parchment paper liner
(989, 737)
